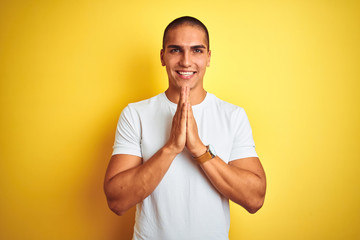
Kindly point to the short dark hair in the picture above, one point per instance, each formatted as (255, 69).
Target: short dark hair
(186, 20)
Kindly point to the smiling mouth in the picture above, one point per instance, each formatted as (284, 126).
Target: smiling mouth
(185, 73)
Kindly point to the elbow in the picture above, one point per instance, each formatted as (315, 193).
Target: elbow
(114, 204)
(117, 208)
(255, 205)
(257, 201)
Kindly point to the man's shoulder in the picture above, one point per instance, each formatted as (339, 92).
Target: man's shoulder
(145, 103)
(223, 105)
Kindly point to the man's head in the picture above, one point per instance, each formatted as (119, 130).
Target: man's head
(185, 53)
(190, 21)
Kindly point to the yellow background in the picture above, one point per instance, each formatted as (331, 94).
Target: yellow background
(68, 68)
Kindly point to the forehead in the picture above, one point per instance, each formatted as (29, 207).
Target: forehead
(186, 35)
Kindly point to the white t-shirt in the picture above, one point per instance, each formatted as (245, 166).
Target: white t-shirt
(185, 205)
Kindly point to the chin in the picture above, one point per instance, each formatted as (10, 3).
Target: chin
(191, 83)
(178, 84)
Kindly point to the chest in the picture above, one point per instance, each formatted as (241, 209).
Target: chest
(213, 129)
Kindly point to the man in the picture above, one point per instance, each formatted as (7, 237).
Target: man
(164, 159)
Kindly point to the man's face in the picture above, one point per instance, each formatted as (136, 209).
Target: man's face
(185, 56)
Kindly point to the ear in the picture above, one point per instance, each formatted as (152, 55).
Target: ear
(162, 57)
(208, 60)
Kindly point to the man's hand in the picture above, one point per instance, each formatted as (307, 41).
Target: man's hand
(177, 138)
(193, 141)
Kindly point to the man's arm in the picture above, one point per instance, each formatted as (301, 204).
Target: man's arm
(243, 181)
(128, 181)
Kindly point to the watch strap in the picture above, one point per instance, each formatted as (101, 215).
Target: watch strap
(205, 157)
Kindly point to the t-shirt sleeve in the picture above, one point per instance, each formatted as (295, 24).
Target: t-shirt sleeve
(243, 145)
(127, 136)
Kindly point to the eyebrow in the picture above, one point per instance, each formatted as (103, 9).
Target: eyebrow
(192, 47)
(198, 46)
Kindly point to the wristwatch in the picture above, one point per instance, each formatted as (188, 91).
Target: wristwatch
(209, 154)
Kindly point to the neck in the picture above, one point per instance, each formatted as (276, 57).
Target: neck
(196, 95)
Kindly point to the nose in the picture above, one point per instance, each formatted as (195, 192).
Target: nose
(185, 60)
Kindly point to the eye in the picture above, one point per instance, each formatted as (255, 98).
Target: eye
(175, 50)
(198, 50)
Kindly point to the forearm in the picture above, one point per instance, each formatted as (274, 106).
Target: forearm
(129, 184)
(239, 185)
(127, 188)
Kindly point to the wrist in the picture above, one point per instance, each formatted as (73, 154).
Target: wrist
(199, 151)
(170, 149)
(208, 155)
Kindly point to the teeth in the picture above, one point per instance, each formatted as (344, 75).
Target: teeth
(186, 73)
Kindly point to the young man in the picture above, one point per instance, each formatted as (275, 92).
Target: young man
(164, 158)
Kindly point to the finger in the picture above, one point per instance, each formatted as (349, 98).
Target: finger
(181, 113)
(177, 114)
(191, 118)
(184, 115)
(182, 95)
(181, 100)
(187, 93)
(188, 110)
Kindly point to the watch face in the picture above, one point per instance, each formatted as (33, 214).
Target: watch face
(212, 150)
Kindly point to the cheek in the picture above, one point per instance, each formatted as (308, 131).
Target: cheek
(168, 69)
(202, 65)
(202, 62)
